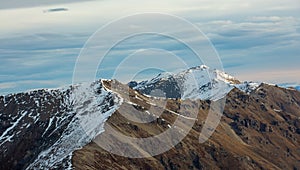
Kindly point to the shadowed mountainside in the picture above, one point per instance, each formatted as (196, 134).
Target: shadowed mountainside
(260, 130)
(52, 129)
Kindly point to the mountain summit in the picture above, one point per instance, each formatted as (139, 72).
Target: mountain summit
(57, 129)
(199, 82)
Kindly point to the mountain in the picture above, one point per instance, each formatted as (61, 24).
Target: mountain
(40, 129)
(199, 82)
(290, 85)
(260, 130)
(59, 128)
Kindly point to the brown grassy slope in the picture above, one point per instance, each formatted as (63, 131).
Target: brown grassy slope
(257, 131)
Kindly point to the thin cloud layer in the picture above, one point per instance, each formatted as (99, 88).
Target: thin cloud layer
(256, 40)
(12, 4)
(56, 10)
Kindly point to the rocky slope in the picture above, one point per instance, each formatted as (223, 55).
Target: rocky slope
(41, 129)
(60, 128)
(259, 130)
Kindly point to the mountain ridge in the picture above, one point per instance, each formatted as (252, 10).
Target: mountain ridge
(259, 130)
(36, 126)
(198, 82)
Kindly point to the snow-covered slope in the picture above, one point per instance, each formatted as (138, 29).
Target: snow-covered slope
(199, 82)
(247, 87)
(57, 122)
(92, 105)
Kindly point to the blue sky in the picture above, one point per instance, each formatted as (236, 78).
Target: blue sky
(255, 40)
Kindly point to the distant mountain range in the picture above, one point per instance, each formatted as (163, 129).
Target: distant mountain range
(55, 128)
(290, 85)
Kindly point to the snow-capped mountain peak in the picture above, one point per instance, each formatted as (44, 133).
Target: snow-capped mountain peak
(40, 129)
(200, 82)
(62, 120)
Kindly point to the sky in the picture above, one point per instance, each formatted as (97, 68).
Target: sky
(40, 41)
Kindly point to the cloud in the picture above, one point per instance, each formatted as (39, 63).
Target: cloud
(253, 32)
(277, 76)
(244, 46)
(256, 42)
(7, 85)
(40, 58)
(33, 3)
(267, 29)
(56, 10)
(267, 18)
(250, 36)
(26, 85)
